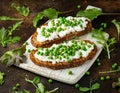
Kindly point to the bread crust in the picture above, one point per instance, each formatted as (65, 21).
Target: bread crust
(70, 36)
(63, 65)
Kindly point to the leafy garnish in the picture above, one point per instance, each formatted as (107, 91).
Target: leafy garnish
(117, 25)
(49, 13)
(6, 35)
(21, 9)
(90, 13)
(8, 18)
(111, 71)
(2, 78)
(101, 38)
(14, 56)
(92, 87)
(107, 46)
(16, 89)
(116, 84)
(40, 88)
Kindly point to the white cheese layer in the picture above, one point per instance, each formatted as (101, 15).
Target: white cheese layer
(65, 57)
(62, 27)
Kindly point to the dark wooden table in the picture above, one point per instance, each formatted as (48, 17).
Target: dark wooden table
(17, 75)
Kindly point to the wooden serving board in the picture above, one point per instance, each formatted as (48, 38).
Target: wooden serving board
(61, 75)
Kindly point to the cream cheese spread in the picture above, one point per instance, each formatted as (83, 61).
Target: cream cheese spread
(60, 27)
(65, 52)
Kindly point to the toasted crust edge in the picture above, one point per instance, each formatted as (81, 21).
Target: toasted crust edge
(70, 36)
(63, 65)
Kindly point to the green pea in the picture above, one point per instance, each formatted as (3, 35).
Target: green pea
(99, 64)
(102, 78)
(87, 73)
(77, 85)
(50, 80)
(107, 77)
(70, 72)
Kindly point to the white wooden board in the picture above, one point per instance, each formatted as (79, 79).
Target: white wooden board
(61, 75)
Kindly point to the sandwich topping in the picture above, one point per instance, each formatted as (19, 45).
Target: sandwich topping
(60, 27)
(65, 52)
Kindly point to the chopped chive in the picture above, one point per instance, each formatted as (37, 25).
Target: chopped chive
(70, 72)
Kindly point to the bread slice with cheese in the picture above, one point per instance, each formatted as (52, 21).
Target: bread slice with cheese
(59, 30)
(72, 53)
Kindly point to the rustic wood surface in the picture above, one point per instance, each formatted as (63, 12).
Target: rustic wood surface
(17, 75)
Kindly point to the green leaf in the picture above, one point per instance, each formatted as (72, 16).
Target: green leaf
(41, 88)
(13, 39)
(14, 56)
(117, 25)
(49, 13)
(90, 13)
(84, 89)
(36, 80)
(2, 78)
(2, 34)
(14, 27)
(8, 18)
(95, 86)
(21, 9)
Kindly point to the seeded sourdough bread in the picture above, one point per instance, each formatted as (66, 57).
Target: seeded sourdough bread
(62, 65)
(59, 39)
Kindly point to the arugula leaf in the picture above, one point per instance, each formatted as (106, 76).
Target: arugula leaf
(8, 18)
(101, 38)
(50, 13)
(6, 35)
(90, 13)
(2, 78)
(117, 25)
(13, 56)
(107, 46)
(21, 9)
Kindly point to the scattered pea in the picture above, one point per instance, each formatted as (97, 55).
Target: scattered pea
(77, 85)
(50, 80)
(70, 72)
(102, 78)
(78, 6)
(107, 77)
(99, 63)
(87, 73)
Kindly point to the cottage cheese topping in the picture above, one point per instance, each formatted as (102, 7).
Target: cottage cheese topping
(65, 52)
(60, 27)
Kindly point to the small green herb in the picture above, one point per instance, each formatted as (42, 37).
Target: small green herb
(107, 46)
(14, 56)
(15, 88)
(8, 18)
(40, 88)
(2, 74)
(116, 84)
(117, 25)
(100, 37)
(6, 35)
(50, 13)
(21, 9)
(90, 13)
(111, 71)
(92, 87)
(102, 78)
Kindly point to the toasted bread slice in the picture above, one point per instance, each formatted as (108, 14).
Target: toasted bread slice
(62, 65)
(59, 39)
